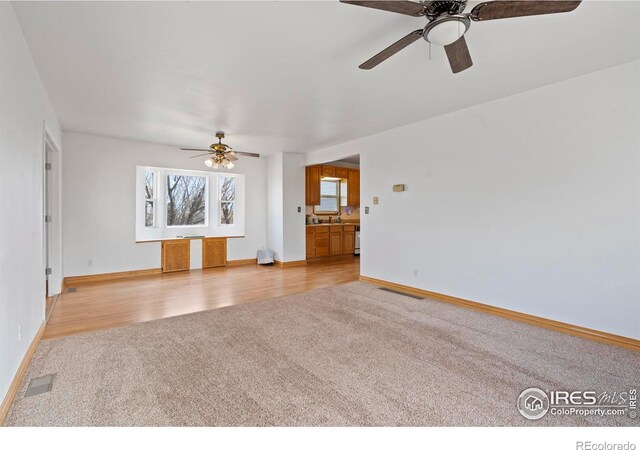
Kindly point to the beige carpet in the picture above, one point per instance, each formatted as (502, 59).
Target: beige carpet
(345, 355)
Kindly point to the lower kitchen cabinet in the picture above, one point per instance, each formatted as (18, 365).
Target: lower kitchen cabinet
(310, 242)
(330, 240)
(348, 242)
(335, 240)
(321, 242)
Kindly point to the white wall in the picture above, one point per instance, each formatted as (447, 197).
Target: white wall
(24, 109)
(286, 184)
(294, 198)
(530, 203)
(99, 203)
(275, 199)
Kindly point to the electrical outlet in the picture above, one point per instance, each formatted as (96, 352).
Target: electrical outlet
(299, 208)
(375, 200)
(19, 332)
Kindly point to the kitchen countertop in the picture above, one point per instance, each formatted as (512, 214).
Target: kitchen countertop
(328, 224)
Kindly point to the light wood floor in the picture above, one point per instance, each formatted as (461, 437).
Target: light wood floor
(109, 304)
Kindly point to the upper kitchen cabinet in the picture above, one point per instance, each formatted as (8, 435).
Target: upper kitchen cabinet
(353, 188)
(328, 171)
(341, 172)
(313, 185)
(314, 175)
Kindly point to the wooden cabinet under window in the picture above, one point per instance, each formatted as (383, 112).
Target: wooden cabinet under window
(214, 252)
(321, 242)
(335, 240)
(312, 190)
(176, 255)
(353, 188)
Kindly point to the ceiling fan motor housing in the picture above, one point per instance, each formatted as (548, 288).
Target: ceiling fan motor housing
(439, 7)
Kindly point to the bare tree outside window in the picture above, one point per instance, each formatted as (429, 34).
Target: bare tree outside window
(227, 195)
(150, 201)
(186, 200)
(148, 185)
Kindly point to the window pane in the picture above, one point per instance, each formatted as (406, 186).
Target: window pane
(328, 187)
(328, 204)
(227, 189)
(148, 214)
(226, 213)
(148, 184)
(186, 200)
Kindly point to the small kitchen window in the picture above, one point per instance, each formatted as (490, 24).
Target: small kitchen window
(329, 196)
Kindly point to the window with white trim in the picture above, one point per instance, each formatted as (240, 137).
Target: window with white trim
(187, 204)
(329, 196)
(150, 202)
(174, 203)
(227, 199)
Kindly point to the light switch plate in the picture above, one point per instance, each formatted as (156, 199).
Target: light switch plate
(366, 210)
(375, 200)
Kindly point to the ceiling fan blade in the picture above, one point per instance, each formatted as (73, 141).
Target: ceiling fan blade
(396, 6)
(458, 55)
(508, 9)
(230, 157)
(391, 50)
(196, 149)
(254, 155)
(203, 154)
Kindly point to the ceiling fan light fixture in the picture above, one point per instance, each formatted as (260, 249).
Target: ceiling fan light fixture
(446, 30)
(208, 162)
(231, 165)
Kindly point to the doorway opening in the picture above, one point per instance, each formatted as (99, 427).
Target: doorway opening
(51, 220)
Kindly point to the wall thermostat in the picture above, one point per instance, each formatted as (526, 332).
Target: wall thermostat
(398, 188)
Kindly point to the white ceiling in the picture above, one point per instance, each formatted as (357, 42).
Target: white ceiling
(283, 76)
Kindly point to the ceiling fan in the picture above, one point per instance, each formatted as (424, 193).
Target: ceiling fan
(447, 23)
(220, 154)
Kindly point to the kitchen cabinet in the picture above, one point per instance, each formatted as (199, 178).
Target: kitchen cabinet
(328, 171)
(341, 172)
(348, 239)
(330, 240)
(312, 184)
(314, 174)
(335, 240)
(214, 252)
(321, 241)
(310, 242)
(353, 188)
(176, 255)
